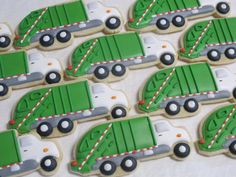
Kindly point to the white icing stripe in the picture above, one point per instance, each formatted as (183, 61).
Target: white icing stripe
(61, 115)
(192, 95)
(95, 146)
(177, 11)
(126, 153)
(63, 26)
(34, 108)
(34, 24)
(146, 11)
(85, 56)
(160, 88)
(10, 165)
(221, 128)
(114, 61)
(200, 37)
(220, 44)
(16, 76)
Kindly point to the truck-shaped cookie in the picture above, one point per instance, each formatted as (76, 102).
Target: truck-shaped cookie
(21, 155)
(19, 69)
(62, 106)
(6, 37)
(182, 89)
(56, 26)
(120, 145)
(113, 55)
(166, 16)
(213, 41)
(218, 132)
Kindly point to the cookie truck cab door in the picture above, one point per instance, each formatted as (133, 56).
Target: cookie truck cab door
(111, 17)
(176, 138)
(39, 153)
(113, 100)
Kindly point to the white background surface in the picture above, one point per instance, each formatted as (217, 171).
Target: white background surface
(12, 11)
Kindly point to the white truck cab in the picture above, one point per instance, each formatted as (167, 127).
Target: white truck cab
(225, 79)
(163, 50)
(6, 37)
(169, 135)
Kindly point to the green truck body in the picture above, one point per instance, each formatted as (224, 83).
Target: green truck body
(54, 16)
(14, 64)
(218, 130)
(114, 142)
(9, 150)
(106, 49)
(173, 82)
(203, 37)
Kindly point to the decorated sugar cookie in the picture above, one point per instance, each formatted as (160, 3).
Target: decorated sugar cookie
(18, 70)
(109, 57)
(21, 155)
(116, 148)
(213, 41)
(6, 37)
(179, 91)
(218, 132)
(166, 16)
(55, 27)
(54, 111)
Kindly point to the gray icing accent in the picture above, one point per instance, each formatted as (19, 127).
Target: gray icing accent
(23, 79)
(74, 117)
(161, 149)
(127, 63)
(228, 142)
(188, 13)
(220, 95)
(220, 48)
(27, 166)
(73, 28)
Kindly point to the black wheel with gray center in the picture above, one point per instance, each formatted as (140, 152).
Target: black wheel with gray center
(223, 8)
(3, 89)
(232, 148)
(230, 53)
(113, 23)
(118, 70)
(48, 163)
(182, 150)
(53, 77)
(63, 36)
(65, 125)
(45, 129)
(167, 59)
(118, 112)
(163, 23)
(129, 164)
(172, 108)
(5, 41)
(101, 72)
(214, 55)
(191, 105)
(108, 168)
(178, 21)
(46, 40)
(234, 93)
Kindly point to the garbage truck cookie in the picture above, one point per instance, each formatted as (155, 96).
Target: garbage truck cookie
(180, 91)
(6, 37)
(54, 111)
(19, 69)
(212, 41)
(166, 16)
(21, 155)
(109, 57)
(116, 147)
(55, 27)
(217, 132)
